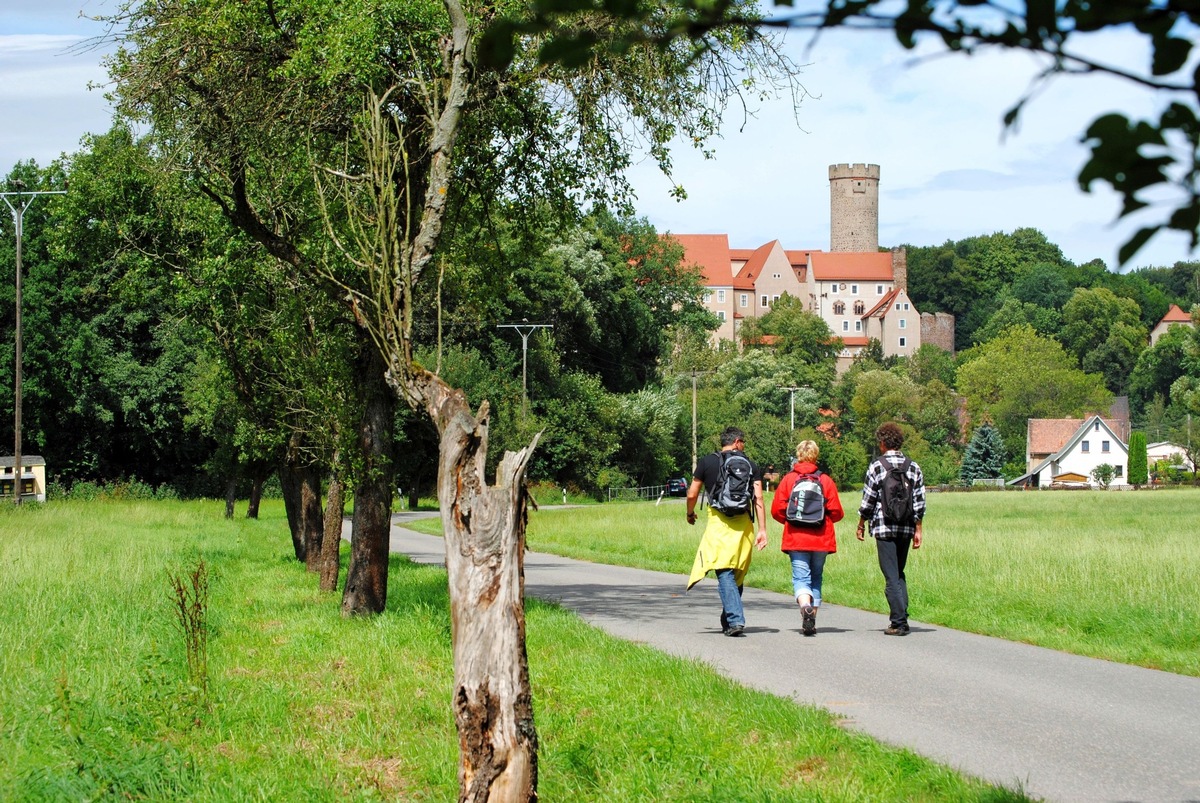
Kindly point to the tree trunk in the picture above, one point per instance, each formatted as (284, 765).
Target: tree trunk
(485, 544)
(289, 483)
(230, 496)
(370, 535)
(331, 543)
(313, 521)
(259, 478)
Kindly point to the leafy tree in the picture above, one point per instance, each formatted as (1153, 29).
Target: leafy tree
(1138, 470)
(1157, 367)
(1104, 474)
(1043, 284)
(1013, 313)
(798, 332)
(881, 396)
(1089, 317)
(1021, 375)
(984, 457)
(930, 362)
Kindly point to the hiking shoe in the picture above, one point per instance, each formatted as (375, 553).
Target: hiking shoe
(808, 620)
(894, 630)
(735, 630)
(724, 621)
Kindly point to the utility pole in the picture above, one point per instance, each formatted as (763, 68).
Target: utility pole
(24, 198)
(792, 396)
(695, 444)
(525, 329)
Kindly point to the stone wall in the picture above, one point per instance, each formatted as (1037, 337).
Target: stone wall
(938, 329)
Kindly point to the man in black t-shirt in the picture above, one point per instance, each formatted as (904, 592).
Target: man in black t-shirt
(726, 546)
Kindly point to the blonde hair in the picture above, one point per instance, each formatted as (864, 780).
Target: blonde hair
(807, 451)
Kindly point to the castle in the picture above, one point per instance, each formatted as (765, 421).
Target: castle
(859, 291)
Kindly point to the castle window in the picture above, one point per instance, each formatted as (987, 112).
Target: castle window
(854, 289)
(858, 326)
(708, 297)
(903, 342)
(879, 289)
(905, 305)
(859, 308)
(744, 300)
(897, 306)
(903, 323)
(721, 296)
(775, 298)
(721, 314)
(839, 308)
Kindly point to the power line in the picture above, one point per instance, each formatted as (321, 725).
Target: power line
(524, 329)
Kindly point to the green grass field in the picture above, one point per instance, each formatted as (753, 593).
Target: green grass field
(1113, 575)
(298, 704)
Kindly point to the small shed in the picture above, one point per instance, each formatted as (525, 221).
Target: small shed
(33, 478)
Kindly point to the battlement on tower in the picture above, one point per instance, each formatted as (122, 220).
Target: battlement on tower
(841, 171)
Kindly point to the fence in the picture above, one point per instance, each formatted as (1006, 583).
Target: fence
(644, 493)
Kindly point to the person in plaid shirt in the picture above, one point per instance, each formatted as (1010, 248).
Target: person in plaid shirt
(892, 539)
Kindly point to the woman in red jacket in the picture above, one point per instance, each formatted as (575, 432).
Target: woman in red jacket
(807, 544)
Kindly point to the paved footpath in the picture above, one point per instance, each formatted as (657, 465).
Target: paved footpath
(1063, 727)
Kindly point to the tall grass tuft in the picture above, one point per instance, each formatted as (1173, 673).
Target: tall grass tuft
(190, 590)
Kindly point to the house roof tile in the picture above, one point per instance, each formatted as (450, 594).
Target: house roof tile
(1176, 315)
(866, 266)
(710, 253)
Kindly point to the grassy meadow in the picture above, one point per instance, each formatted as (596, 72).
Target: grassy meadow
(1113, 575)
(289, 701)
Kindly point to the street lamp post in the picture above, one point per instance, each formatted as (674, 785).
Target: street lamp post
(23, 199)
(525, 329)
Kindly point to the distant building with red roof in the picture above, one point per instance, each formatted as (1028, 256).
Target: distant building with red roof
(860, 294)
(1174, 317)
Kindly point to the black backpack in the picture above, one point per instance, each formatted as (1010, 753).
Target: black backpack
(806, 502)
(895, 493)
(734, 491)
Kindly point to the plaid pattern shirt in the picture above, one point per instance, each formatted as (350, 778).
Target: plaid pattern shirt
(871, 508)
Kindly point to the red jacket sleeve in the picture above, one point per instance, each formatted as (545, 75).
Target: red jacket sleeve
(780, 501)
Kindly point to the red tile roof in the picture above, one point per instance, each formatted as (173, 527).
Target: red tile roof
(884, 304)
(744, 280)
(1176, 315)
(852, 266)
(1048, 435)
(709, 252)
(855, 341)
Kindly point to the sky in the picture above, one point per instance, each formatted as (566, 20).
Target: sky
(934, 125)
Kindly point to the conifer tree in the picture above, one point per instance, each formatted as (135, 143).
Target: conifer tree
(984, 457)
(1138, 470)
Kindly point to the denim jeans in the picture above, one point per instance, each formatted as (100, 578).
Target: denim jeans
(808, 569)
(731, 598)
(893, 555)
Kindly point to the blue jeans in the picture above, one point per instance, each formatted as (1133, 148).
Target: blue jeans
(731, 598)
(808, 570)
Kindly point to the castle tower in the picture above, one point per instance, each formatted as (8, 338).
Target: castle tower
(854, 207)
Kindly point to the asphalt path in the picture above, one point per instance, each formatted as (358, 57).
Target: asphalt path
(1059, 726)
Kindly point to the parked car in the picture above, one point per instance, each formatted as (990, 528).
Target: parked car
(677, 487)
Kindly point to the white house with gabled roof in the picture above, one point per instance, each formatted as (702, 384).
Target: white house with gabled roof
(1056, 457)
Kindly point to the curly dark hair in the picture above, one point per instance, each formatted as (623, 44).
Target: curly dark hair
(890, 435)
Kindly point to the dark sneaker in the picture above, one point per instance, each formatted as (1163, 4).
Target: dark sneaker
(808, 620)
(735, 630)
(724, 621)
(894, 630)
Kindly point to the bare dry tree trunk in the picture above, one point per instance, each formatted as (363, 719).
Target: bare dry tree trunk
(484, 530)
